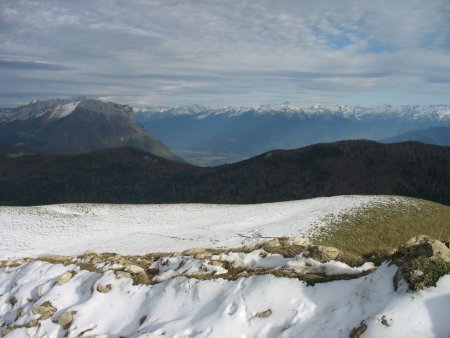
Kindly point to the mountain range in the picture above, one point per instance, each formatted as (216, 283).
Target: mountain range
(129, 175)
(74, 126)
(210, 136)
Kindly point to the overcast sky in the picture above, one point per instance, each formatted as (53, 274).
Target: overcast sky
(230, 52)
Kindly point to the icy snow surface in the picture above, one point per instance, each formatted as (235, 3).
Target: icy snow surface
(64, 110)
(183, 307)
(138, 229)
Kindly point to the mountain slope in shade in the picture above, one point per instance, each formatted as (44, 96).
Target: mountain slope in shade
(132, 176)
(222, 135)
(436, 135)
(76, 126)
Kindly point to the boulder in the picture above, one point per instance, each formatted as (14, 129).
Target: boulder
(296, 241)
(255, 245)
(45, 310)
(122, 274)
(424, 245)
(134, 269)
(273, 243)
(65, 278)
(66, 319)
(322, 253)
(104, 288)
(13, 300)
(264, 314)
(22, 312)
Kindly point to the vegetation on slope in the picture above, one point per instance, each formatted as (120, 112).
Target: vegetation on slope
(128, 175)
(374, 231)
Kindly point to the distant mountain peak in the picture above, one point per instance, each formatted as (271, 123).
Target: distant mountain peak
(61, 108)
(77, 125)
(435, 112)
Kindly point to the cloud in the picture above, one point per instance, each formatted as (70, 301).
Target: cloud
(31, 65)
(227, 52)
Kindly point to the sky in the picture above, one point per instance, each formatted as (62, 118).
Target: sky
(226, 52)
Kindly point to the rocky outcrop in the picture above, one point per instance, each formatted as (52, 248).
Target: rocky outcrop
(422, 260)
(425, 246)
(45, 310)
(66, 319)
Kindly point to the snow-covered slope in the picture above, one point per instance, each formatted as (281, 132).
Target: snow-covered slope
(101, 295)
(108, 305)
(139, 229)
(60, 108)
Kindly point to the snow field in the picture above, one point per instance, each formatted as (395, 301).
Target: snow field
(182, 307)
(138, 229)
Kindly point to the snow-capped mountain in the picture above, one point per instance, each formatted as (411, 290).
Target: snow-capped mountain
(206, 135)
(60, 108)
(430, 112)
(71, 126)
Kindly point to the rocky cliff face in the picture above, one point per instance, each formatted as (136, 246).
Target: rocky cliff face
(76, 126)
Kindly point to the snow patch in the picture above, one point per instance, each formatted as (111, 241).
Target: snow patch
(300, 264)
(64, 110)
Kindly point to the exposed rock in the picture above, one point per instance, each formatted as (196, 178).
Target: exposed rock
(7, 330)
(441, 251)
(114, 266)
(255, 245)
(22, 312)
(274, 243)
(217, 263)
(134, 269)
(322, 253)
(104, 288)
(447, 243)
(65, 278)
(40, 290)
(87, 259)
(329, 252)
(397, 277)
(384, 321)
(32, 323)
(13, 300)
(96, 260)
(424, 245)
(123, 274)
(142, 320)
(89, 253)
(55, 258)
(66, 319)
(198, 253)
(358, 331)
(121, 261)
(264, 314)
(296, 241)
(45, 310)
